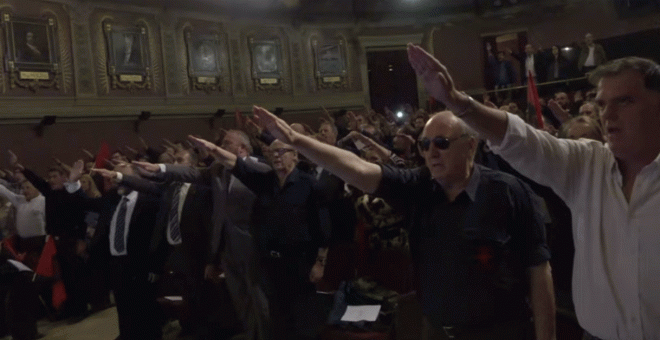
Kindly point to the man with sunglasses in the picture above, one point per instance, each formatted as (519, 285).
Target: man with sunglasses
(290, 229)
(476, 235)
(612, 189)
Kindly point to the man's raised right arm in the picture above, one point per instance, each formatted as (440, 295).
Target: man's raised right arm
(344, 164)
(490, 123)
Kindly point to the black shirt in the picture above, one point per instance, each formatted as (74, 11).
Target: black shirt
(287, 217)
(64, 216)
(471, 254)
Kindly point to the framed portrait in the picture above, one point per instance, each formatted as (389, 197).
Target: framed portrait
(127, 50)
(31, 46)
(204, 59)
(329, 60)
(266, 60)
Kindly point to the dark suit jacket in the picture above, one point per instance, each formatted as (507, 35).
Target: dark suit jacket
(343, 216)
(64, 217)
(140, 227)
(540, 67)
(195, 222)
(232, 207)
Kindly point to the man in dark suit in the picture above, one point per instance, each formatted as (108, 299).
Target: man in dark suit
(532, 61)
(232, 245)
(123, 233)
(179, 243)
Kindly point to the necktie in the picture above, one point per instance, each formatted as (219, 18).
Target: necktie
(173, 220)
(120, 225)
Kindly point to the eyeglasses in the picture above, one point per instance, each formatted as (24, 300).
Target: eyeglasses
(441, 143)
(281, 151)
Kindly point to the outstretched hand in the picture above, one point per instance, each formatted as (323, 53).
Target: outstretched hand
(13, 161)
(561, 114)
(146, 168)
(436, 78)
(76, 170)
(227, 158)
(105, 173)
(275, 125)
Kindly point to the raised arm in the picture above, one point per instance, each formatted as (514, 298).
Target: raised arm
(490, 123)
(11, 196)
(346, 165)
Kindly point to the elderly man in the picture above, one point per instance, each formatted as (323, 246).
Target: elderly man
(476, 238)
(231, 244)
(592, 55)
(289, 228)
(613, 190)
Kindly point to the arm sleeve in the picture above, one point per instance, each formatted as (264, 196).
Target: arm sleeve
(188, 174)
(12, 197)
(556, 163)
(141, 185)
(37, 181)
(397, 186)
(253, 176)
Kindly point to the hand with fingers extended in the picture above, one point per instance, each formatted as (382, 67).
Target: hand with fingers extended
(146, 168)
(227, 158)
(275, 125)
(436, 78)
(89, 155)
(105, 173)
(13, 161)
(239, 120)
(561, 114)
(352, 121)
(252, 128)
(77, 170)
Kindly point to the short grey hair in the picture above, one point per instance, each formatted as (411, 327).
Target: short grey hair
(245, 139)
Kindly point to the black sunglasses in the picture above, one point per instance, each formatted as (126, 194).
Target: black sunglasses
(441, 143)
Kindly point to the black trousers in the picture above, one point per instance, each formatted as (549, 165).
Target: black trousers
(287, 287)
(137, 310)
(76, 277)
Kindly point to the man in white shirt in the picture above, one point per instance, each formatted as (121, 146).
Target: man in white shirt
(30, 221)
(612, 190)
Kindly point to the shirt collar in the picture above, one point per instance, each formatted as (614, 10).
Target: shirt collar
(473, 184)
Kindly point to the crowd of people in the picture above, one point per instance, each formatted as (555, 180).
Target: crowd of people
(487, 207)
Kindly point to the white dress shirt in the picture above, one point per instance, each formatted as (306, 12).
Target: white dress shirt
(590, 61)
(616, 275)
(529, 66)
(130, 206)
(30, 216)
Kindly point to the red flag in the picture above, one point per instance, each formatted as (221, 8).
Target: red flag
(46, 267)
(59, 294)
(102, 155)
(533, 99)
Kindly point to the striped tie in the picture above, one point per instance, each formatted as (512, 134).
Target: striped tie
(120, 226)
(173, 221)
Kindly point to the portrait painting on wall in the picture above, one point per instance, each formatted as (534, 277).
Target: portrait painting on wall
(127, 50)
(204, 55)
(266, 58)
(330, 60)
(30, 43)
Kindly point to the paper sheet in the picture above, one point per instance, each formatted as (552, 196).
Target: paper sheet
(361, 313)
(20, 266)
(174, 298)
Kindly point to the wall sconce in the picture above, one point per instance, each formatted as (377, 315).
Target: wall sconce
(45, 121)
(143, 117)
